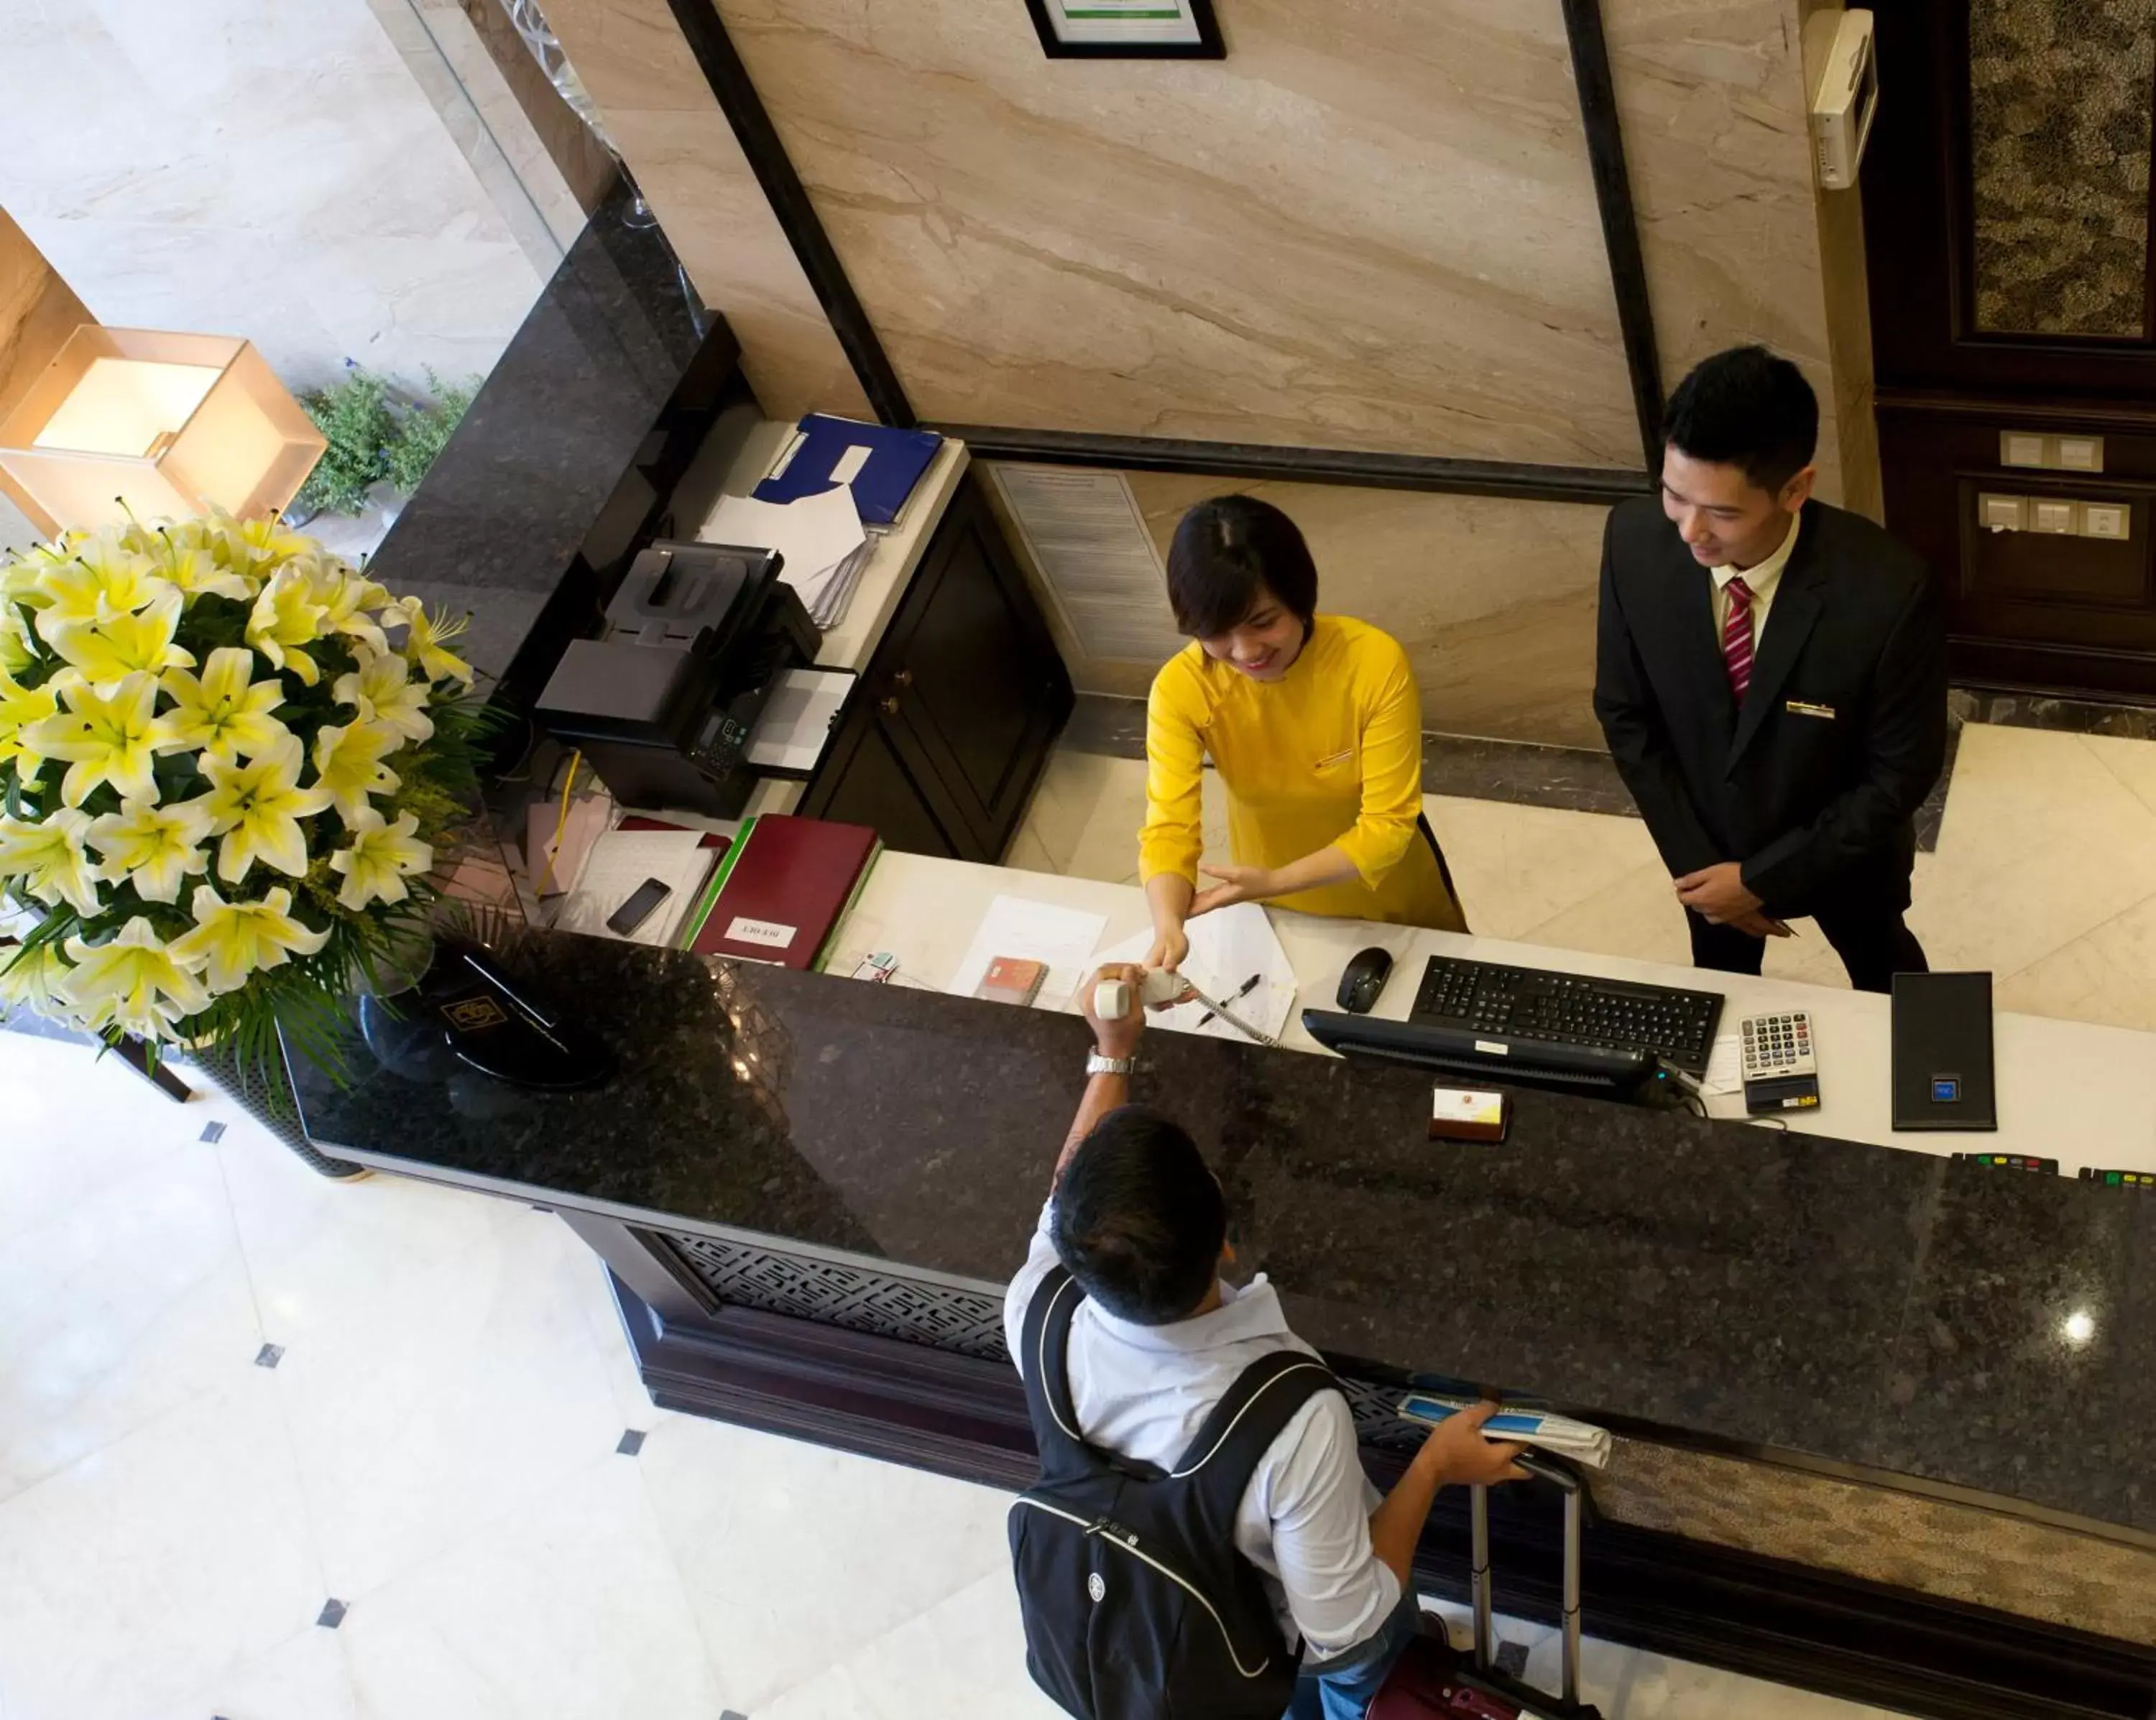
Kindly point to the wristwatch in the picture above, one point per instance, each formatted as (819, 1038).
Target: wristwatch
(1096, 1063)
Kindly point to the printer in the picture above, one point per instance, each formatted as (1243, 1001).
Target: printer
(662, 703)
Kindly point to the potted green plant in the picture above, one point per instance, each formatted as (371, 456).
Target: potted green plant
(354, 416)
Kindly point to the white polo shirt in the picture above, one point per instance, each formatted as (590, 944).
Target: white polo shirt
(1143, 1392)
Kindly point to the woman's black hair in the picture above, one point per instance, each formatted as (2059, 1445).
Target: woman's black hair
(1226, 552)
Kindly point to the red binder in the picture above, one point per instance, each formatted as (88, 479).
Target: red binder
(791, 880)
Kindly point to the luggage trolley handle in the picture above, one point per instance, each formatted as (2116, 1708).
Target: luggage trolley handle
(1562, 1477)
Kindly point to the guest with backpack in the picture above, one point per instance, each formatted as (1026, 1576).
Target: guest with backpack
(1202, 1541)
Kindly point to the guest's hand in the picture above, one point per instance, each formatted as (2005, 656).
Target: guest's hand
(1717, 893)
(1238, 884)
(1117, 1037)
(1461, 1457)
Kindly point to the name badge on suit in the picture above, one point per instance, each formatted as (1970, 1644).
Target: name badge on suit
(1801, 708)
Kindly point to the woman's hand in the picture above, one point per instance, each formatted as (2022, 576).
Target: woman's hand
(1238, 884)
(1171, 949)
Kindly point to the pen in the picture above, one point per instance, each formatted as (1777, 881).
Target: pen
(1240, 992)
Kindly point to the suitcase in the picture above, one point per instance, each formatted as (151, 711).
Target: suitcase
(1430, 1684)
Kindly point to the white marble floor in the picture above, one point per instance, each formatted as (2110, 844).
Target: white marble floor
(245, 167)
(435, 1448)
(2044, 872)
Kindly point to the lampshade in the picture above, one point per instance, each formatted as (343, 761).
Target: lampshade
(131, 421)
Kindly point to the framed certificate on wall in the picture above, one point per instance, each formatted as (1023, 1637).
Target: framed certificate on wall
(1127, 29)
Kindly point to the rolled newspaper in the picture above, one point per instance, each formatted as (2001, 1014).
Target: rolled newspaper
(1579, 1440)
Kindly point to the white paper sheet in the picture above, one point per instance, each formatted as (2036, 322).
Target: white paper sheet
(619, 861)
(1064, 938)
(1725, 1067)
(1227, 947)
(795, 726)
(815, 534)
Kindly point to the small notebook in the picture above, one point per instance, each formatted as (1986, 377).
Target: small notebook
(1010, 980)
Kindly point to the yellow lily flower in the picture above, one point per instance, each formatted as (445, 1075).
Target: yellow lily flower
(49, 860)
(256, 809)
(15, 652)
(254, 546)
(286, 616)
(423, 644)
(132, 981)
(108, 737)
(101, 579)
(21, 706)
(184, 556)
(151, 847)
(352, 604)
(382, 690)
(223, 712)
(31, 979)
(381, 856)
(106, 652)
(19, 577)
(233, 940)
(348, 758)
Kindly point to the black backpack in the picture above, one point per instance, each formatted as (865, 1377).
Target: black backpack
(1136, 1605)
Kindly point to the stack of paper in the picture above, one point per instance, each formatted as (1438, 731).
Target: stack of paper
(819, 536)
(618, 866)
(827, 608)
(1580, 1440)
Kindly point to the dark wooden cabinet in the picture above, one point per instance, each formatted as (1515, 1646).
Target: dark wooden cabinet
(952, 725)
(2006, 204)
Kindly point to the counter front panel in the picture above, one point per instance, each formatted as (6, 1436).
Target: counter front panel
(814, 1145)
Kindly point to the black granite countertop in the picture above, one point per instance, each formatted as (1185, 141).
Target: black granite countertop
(568, 411)
(1881, 1311)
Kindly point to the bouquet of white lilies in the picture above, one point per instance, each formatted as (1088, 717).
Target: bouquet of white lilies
(227, 758)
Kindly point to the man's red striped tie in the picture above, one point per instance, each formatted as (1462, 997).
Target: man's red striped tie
(1737, 637)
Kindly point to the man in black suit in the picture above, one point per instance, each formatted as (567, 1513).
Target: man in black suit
(1771, 678)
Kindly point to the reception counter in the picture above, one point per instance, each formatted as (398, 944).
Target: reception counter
(1887, 1423)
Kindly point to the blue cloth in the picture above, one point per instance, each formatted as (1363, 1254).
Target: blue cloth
(1341, 1688)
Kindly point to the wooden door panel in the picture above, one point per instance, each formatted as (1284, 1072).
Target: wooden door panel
(867, 781)
(974, 689)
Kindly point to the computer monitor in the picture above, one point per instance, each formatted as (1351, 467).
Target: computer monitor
(1479, 1059)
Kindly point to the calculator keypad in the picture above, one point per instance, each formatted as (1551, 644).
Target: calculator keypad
(1778, 1045)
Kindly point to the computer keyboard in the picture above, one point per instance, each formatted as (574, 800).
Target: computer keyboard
(1678, 1027)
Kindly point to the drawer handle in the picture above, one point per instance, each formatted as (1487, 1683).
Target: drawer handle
(903, 679)
(889, 707)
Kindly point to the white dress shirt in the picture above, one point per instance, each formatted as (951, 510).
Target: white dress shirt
(1144, 1391)
(1761, 581)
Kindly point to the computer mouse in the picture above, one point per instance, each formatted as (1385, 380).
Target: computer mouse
(1363, 978)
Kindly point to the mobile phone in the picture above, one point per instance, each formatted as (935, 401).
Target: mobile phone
(632, 914)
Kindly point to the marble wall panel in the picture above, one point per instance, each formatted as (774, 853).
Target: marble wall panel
(1928, 1546)
(662, 116)
(259, 168)
(1371, 226)
(1494, 598)
(1738, 244)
